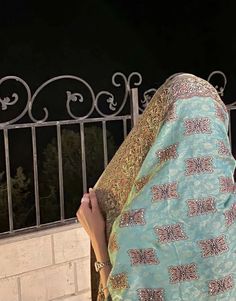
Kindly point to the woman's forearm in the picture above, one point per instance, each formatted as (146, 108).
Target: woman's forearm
(90, 217)
(100, 249)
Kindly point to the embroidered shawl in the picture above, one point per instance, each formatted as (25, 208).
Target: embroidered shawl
(173, 172)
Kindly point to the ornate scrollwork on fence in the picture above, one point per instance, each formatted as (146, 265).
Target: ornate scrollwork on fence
(103, 103)
(6, 101)
(147, 96)
(220, 89)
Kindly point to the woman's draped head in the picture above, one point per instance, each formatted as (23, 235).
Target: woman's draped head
(115, 184)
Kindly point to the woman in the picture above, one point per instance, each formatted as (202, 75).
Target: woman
(166, 203)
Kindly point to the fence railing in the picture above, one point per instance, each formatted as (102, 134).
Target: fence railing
(81, 109)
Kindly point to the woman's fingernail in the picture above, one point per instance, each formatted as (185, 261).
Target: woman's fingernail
(90, 189)
(86, 200)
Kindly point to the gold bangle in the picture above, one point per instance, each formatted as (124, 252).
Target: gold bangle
(99, 265)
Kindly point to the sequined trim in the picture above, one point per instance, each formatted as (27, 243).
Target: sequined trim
(132, 218)
(219, 286)
(140, 183)
(165, 191)
(230, 215)
(219, 112)
(213, 246)
(185, 272)
(202, 206)
(197, 126)
(185, 89)
(119, 281)
(151, 294)
(223, 149)
(199, 165)
(113, 245)
(170, 233)
(171, 115)
(167, 153)
(143, 256)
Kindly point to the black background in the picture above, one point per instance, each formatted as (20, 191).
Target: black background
(95, 38)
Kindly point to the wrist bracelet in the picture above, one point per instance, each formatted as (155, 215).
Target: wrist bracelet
(99, 265)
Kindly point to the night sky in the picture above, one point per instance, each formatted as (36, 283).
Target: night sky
(95, 38)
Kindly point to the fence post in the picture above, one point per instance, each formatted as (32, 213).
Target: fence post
(134, 106)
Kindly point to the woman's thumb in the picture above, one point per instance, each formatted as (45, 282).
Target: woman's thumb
(93, 199)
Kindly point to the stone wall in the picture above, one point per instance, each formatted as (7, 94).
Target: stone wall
(47, 265)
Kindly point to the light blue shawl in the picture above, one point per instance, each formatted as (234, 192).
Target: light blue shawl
(175, 237)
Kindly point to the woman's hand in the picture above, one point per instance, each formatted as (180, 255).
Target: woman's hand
(90, 217)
